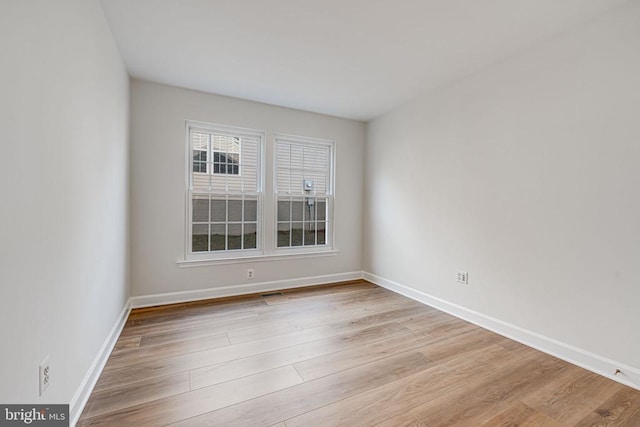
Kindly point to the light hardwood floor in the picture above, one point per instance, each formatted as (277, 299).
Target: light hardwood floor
(351, 354)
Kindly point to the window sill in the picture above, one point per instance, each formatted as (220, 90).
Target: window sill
(257, 258)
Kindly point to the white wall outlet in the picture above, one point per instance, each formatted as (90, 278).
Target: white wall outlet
(45, 375)
(250, 273)
(463, 277)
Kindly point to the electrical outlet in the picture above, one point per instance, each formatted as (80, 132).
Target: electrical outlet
(250, 273)
(463, 277)
(45, 375)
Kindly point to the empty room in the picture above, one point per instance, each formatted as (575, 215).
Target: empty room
(320, 213)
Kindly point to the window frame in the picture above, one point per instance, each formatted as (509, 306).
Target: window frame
(329, 245)
(227, 254)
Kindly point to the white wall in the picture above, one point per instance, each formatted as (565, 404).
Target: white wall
(158, 115)
(526, 175)
(63, 181)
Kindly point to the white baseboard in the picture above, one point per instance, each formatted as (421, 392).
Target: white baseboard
(593, 362)
(244, 289)
(80, 398)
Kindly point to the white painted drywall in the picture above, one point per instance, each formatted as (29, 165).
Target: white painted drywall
(527, 176)
(158, 190)
(64, 188)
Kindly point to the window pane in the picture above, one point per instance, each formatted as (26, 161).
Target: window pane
(218, 210)
(321, 210)
(284, 234)
(218, 237)
(284, 210)
(226, 163)
(200, 167)
(250, 209)
(250, 178)
(200, 238)
(200, 140)
(322, 233)
(297, 181)
(200, 181)
(200, 209)
(199, 161)
(297, 208)
(309, 209)
(296, 234)
(235, 210)
(235, 236)
(283, 173)
(250, 236)
(310, 233)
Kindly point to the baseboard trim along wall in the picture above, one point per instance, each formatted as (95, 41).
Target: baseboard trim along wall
(81, 397)
(244, 289)
(593, 362)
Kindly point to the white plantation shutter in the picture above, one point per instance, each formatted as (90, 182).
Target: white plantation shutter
(302, 215)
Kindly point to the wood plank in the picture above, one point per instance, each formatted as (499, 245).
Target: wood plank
(159, 314)
(453, 346)
(145, 391)
(308, 396)
(618, 410)
(184, 362)
(318, 292)
(221, 321)
(119, 374)
(191, 404)
(394, 398)
(187, 321)
(398, 314)
(130, 357)
(209, 375)
(568, 401)
(471, 404)
(126, 343)
(306, 319)
(348, 358)
(185, 334)
(520, 414)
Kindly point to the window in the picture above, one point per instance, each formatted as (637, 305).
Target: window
(303, 191)
(225, 190)
(226, 208)
(223, 149)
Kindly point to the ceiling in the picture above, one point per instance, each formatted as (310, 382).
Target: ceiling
(350, 58)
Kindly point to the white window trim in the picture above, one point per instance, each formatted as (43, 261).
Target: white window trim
(257, 258)
(189, 255)
(265, 251)
(296, 139)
